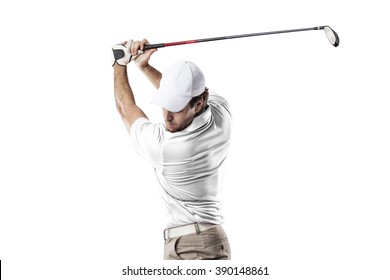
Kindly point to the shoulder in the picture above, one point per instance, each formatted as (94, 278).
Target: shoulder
(218, 102)
(146, 138)
(215, 98)
(142, 126)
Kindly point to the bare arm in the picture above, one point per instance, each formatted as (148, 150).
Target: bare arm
(142, 62)
(124, 98)
(153, 75)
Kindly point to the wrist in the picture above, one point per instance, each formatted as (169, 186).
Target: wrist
(119, 67)
(144, 68)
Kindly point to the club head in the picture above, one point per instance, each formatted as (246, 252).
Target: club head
(332, 36)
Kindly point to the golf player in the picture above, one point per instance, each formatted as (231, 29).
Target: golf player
(187, 151)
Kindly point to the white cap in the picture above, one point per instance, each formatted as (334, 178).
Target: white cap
(180, 82)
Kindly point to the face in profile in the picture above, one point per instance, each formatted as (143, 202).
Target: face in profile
(180, 120)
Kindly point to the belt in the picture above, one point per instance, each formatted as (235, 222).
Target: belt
(186, 229)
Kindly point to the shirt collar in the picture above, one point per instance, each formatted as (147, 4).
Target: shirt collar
(199, 120)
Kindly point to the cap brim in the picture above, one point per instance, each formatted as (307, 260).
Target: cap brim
(171, 102)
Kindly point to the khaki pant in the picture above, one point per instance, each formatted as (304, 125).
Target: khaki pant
(211, 244)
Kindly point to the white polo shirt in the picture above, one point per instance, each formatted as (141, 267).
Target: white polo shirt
(189, 164)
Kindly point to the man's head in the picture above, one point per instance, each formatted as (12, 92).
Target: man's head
(177, 121)
(182, 94)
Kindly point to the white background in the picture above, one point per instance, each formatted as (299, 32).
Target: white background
(308, 172)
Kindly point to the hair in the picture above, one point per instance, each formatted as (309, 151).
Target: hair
(204, 96)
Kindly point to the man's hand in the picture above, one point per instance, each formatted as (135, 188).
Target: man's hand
(141, 58)
(121, 53)
(124, 53)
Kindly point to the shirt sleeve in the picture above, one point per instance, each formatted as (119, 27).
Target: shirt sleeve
(146, 139)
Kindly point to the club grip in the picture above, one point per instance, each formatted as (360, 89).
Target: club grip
(153, 46)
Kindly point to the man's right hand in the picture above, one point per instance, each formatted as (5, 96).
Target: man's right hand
(141, 59)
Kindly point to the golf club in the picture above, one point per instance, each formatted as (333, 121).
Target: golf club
(329, 32)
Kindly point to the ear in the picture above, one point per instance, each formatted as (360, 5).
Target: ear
(199, 105)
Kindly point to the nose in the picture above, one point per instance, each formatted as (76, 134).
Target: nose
(168, 116)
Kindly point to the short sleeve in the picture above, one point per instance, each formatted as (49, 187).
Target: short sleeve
(146, 139)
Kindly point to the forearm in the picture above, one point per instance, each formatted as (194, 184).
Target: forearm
(153, 75)
(122, 89)
(124, 97)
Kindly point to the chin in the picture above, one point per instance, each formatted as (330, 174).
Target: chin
(171, 128)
